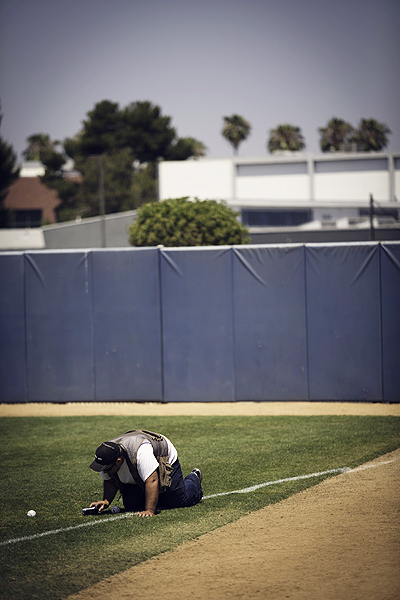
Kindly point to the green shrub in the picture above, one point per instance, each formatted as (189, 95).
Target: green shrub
(181, 222)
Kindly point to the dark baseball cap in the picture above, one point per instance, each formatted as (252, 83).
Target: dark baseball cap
(106, 454)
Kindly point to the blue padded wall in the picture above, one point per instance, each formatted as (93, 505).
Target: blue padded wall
(343, 315)
(127, 334)
(197, 324)
(270, 323)
(12, 329)
(59, 327)
(390, 276)
(317, 322)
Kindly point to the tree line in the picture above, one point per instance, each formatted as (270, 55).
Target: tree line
(370, 135)
(9, 172)
(131, 140)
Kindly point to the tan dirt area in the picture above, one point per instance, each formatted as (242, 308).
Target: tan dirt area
(339, 540)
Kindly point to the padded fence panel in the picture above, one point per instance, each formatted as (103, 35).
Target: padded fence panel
(197, 324)
(343, 313)
(390, 269)
(12, 329)
(270, 323)
(127, 324)
(59, 327)
(232, 324)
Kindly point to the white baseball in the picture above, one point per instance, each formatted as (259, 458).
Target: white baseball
(31, 513)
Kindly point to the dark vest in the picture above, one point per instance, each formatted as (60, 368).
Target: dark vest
(130, 442)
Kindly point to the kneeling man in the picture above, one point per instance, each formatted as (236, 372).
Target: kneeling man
(144, 467)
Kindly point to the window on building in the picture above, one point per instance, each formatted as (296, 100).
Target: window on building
(26, 218)
(380, 212)
(275, 218)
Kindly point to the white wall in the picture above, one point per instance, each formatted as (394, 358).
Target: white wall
(397, 185)
(356, 186)
(32, 168)
(204, 179)
(246, 181)
(273, 187)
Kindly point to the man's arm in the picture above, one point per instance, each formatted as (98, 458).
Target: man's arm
(109, 491)
(151, 495)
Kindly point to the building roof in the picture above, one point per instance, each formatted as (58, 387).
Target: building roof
(29, 193)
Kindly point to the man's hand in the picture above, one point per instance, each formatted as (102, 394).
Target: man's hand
(101, 504)
(145, 513)
(109, 491)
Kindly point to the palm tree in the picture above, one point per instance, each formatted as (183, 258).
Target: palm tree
(336, 133)
(371, 135)
(235, 130)
(38, 144)
(285, 137)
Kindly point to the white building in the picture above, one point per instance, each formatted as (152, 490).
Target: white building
(290, 189)
(288, 197)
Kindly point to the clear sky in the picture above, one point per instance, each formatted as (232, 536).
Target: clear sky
(270, 61)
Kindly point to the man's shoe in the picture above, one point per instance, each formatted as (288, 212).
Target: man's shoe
(198, 473)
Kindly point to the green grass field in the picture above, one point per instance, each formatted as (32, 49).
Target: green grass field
(45, 467)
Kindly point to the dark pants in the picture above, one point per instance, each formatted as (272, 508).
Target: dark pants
(182, 492)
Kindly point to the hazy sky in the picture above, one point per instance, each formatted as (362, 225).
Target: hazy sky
(271, 61)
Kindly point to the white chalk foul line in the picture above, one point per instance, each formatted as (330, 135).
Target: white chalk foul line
(372, 466)
(261, 485)
(71, 528)
(128, 514)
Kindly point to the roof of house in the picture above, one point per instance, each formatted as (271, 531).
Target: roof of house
(29, 193)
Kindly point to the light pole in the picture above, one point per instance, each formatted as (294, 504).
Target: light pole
(371, 218)
(102, 202)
